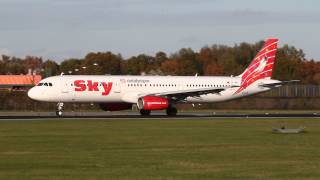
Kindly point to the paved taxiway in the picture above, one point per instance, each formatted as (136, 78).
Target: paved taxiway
(155, 115)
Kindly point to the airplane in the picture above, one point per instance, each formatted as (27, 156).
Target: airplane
(149, 93)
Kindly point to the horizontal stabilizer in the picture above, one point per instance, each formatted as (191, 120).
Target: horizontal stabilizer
(278, 84)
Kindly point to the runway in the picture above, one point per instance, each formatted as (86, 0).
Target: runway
(155, 115)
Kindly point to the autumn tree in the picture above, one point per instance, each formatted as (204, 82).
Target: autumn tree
(210, 60)
(160, 57)
(102, 63)
(229, 64)
(169, 67)
(33, 63)
(138, 64)
(49, 68)
(310, 72)
(288, 62)
(2, 68)
(14, 65)
(71, 65)
(187, 63)
(245, 53)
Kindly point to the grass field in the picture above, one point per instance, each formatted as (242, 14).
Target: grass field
(159, 149)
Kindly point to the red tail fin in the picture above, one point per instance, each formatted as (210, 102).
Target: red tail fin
(261, 66)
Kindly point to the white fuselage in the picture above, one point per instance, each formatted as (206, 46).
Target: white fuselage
(127, 89)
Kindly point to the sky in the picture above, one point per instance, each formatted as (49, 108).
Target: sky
(61, 29)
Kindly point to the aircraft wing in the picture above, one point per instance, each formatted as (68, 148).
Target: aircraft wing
(182, 94)
(278, 84)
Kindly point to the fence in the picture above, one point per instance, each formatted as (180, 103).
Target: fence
(293, 91)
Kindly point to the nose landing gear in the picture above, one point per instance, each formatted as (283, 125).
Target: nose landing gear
(59, 110)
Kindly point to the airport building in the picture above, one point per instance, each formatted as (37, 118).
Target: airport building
(18, 82)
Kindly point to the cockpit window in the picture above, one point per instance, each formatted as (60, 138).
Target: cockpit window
(45, 84)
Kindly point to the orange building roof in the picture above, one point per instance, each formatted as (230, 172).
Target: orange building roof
(19, 79)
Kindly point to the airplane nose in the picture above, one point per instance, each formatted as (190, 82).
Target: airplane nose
(32, 94)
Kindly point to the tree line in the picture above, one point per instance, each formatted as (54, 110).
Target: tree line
(209, 60)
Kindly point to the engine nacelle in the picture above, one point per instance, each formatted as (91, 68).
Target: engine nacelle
(153, 103)
(115, 106)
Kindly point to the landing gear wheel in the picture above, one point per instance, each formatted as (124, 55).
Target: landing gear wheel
(59, 110)
(145, 112)
(172, 111)
(59, 113)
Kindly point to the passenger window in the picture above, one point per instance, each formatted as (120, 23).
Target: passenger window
(50, 84)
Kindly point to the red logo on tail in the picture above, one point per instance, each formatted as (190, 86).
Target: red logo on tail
(261, 66)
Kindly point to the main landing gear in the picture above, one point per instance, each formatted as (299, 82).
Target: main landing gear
(59, 110)
(171, 111)
(145, 112)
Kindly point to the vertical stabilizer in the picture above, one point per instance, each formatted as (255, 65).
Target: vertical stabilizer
(262, 65)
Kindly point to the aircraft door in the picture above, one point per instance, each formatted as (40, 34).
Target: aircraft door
(67, 91)
(65, 88)
(117, 85)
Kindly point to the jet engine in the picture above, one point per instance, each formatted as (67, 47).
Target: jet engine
(153, 103)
